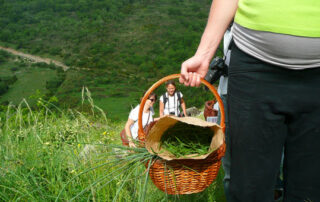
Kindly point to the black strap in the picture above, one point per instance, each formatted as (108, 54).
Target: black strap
(179, 98)
(166, 99)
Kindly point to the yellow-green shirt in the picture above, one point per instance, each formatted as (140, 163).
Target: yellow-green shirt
(293, 17)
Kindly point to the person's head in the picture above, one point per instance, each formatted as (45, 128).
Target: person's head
(152, 98)
(171, 87)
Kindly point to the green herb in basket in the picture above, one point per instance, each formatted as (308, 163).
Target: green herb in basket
(184, 139)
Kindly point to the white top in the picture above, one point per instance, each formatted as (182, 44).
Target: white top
(223, 83)
(146, 119)
(171, 104)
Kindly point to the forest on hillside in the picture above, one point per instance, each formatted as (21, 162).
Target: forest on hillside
(119, 47)
(59, 130)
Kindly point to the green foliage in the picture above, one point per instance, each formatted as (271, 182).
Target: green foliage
(183, 139)
(9, 80)
(174, 11)
(53, 84)
(116, 42)
(4, 56)
(40, 64)
(64, 155)
(14, 69)
(25, 81)
(3, 87)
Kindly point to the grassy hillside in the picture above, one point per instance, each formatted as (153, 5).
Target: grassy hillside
(59, 145)
(123, 46)
(21, 78)
(105, 34)
(61, 155)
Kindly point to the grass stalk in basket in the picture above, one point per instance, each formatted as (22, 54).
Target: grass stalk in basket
(184, 139)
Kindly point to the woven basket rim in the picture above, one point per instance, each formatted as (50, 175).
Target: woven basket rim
(152, 142)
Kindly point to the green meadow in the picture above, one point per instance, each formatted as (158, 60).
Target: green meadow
(68, 155)
(59, 130)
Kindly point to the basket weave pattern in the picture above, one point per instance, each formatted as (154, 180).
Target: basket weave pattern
(187, 176)
(183, 176)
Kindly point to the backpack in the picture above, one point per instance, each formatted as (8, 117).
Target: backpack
(165, 98)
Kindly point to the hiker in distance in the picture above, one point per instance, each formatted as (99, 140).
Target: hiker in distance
(273, 91)
(131, 127)
(171, 101)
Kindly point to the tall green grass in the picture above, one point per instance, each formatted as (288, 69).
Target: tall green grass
(50, 154)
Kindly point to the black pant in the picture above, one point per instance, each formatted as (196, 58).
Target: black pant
(271, 107)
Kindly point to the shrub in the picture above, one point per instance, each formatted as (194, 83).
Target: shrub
(3, 88)
(174, 11)
(13, 69)
(9, 80)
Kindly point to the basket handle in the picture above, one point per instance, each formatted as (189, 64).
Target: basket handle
(141, 133)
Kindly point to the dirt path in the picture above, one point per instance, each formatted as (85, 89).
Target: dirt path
(35, 58)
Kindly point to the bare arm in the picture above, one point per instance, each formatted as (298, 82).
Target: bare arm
(183, 105)
(220, 16)
(129, 123)
(161, 108)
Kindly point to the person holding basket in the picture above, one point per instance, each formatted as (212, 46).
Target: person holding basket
(272, 94)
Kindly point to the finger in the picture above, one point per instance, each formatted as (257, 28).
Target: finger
(182, 77)
(190, 75)
(194, 79)
(186, 82)
(181, 80)
(198, 80)
(184, 73)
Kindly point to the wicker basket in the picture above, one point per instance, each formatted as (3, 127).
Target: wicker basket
(185, 176)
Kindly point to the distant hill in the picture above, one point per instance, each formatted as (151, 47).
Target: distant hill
(126, 44)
